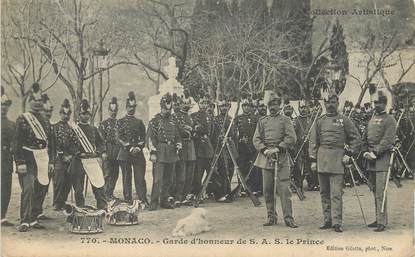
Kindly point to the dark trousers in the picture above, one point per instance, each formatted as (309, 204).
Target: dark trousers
(39, 195)
(182, 179)
(111, 172)
(27, 184)
(162, 181)
(202, 165)
(64, 181)
(221, 180)
(6, 189)
(100, 197)
(139, 168)
(245, 162)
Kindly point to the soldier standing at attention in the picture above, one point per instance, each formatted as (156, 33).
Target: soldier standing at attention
(66, 147)
(221, 180)
(184, 169)
(41, 190)
(204, 150)
(94, 139)
(8, 131)
(131, 136)
(245, 124)
(328, 137)
(108, 129)
(165, 144)
(379, 142)
(32, 133)
(274, 135)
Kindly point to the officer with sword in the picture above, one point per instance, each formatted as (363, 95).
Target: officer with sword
(273, 136)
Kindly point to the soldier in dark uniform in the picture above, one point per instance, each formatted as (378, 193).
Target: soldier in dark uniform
(204, 151)
(274, 136)
(379, 142)
(8, 131)
(165, 141)
(94, 137)
(184, 170)
(131, 135)
(220, 182)
(66, 145)
(108, 130)
(302, 167)
(40, 190)
(328, 137)
(27, 139)
(245, 128)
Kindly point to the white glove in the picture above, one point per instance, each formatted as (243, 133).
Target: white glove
(51, 168)
(314, 166)
(179, 146)
(21, 169)
(370, 156)
(104, 156)
(346, 159)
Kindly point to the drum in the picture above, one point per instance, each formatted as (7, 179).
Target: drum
(123, 213)
(87, 220)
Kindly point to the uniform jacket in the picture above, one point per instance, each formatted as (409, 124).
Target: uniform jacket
(25, 137)
(65, 140)
(245, 129)
(131, 132)
(95, 139)
(108, 130)
(187, 153)
(328, 137)
(202, 131)
(380, 138)
(164, 135)
(8, 132)
(271, 132)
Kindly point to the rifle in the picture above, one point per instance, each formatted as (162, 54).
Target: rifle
(237, 188)
(253, 197)
(307, 136)
(212, 167)
(298, 191)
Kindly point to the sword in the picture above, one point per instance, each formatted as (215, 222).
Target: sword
(357, 194)
(387, 180)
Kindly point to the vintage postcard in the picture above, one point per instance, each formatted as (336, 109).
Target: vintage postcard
(207, 128)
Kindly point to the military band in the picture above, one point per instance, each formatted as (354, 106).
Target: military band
(271, 150)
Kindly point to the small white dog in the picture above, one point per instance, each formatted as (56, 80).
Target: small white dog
(193, 224)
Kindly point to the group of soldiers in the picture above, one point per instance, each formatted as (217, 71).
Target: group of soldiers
(274, 152)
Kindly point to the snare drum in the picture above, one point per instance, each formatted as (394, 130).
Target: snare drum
(123, 213)
(86, 220)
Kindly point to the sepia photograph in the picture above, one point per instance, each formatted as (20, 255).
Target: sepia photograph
(164, 128)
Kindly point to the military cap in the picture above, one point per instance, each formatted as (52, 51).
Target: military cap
(166, 101)
(274, 99)
(5, 101)
(65, 107)
(84, 107)
(35, 97)
(131, 102)
(113, 105)
(47, 105)
(380, 97)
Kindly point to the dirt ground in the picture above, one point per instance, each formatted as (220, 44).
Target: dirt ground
(238, 221)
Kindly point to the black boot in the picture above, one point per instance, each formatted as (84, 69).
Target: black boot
(271, 221)
(338, 228)
(373, 225)
(380, 228)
